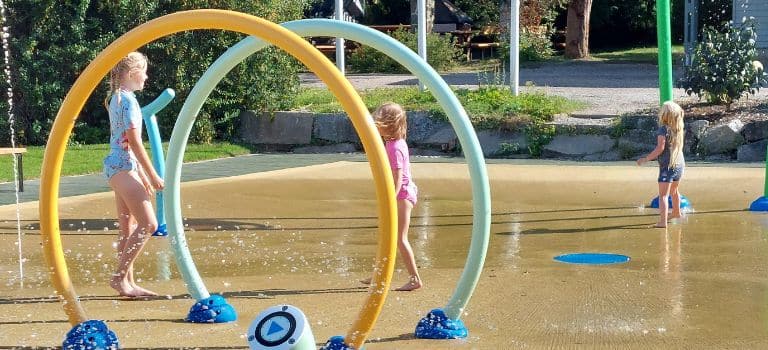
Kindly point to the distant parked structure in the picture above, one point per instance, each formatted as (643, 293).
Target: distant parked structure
(759, 10)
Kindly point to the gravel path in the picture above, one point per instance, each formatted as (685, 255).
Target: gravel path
(609, 89)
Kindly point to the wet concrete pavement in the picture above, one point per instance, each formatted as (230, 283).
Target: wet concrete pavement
(305, 235)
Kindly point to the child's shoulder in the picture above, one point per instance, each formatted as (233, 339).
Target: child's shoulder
(397, 143)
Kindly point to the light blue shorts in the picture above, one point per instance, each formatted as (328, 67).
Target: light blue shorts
(117, 162)
(670, 174)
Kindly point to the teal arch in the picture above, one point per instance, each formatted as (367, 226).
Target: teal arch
(481, 198)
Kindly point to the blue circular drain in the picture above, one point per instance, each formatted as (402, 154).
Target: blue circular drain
(592, 258)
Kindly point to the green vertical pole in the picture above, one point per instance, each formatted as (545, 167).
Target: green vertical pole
(765, 189)
(664, 33)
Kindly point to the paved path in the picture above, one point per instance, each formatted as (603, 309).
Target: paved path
(254, 163)
(610, 89)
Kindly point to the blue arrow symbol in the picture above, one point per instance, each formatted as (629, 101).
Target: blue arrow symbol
(274, 328)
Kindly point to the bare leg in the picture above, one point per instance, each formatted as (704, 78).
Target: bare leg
(675, 200)
(127, 225)
(404, 247)
(132, 193)
(663, 198)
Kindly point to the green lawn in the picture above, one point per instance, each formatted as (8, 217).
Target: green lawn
(638, 55)
(86, 159)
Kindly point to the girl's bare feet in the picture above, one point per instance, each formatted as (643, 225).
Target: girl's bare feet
(123, 288)
(660, 225)
(144, 292)
(413, 284)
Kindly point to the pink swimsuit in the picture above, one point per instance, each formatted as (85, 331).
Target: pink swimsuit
(399, 158)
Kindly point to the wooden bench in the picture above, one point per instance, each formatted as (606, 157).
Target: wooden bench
(484, 39)
(17, 152)
(328, 47)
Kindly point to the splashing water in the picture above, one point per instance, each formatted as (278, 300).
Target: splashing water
(7, 70)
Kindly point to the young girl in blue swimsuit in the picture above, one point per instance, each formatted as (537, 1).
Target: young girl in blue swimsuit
(670, 137)
(129, 171)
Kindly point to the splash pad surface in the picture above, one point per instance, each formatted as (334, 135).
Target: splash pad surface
(266, 231)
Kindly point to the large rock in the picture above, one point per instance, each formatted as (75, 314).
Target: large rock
(502, 143)
(642, 122)
(443, 138)
(635, 142)
(722, 139)
(336, 128)
(697, 128)
(282, 128)
(752, 152)
(421, 126)
(577, 145)
(755, 131)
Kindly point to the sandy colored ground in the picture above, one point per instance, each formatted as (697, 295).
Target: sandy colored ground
(305, 236)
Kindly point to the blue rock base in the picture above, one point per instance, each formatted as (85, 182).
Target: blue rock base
(436, 325)
(760, 204)
(161, 231)
(684, 203)
(336, 343)
(91, 335)
(213, 309)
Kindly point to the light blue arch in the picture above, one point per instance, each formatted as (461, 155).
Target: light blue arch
(481, 198)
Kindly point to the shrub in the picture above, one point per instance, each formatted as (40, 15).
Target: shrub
(722, 65)
(534, 46)
(441, 54)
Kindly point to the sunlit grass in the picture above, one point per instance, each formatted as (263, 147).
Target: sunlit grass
(638, 55)
(87, 159)
(489, 101)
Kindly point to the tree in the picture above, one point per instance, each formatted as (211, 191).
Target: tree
(577, 32)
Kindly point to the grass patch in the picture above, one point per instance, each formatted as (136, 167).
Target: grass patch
(487, 107)
(87, 159)
(638, 55)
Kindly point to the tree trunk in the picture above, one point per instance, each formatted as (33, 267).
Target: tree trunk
(430, 5)
(577, 32)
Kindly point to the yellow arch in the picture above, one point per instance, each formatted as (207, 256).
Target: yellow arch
(250, 25)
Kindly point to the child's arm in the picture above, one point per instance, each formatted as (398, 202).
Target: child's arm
(661, 142)
(397, 174)
(134, 140)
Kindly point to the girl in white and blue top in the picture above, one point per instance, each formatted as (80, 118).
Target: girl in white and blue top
(129, 171)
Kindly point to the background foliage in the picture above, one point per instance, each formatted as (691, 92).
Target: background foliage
(722, 68)
(442, 54)
(52, 41)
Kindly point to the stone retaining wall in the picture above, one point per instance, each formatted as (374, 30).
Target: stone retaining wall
(629, 138)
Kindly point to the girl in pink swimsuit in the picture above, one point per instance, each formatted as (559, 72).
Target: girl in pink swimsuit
(391, 121)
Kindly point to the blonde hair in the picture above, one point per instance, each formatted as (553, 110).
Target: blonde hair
(391, 121)
(135, 61)
(671, 116)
